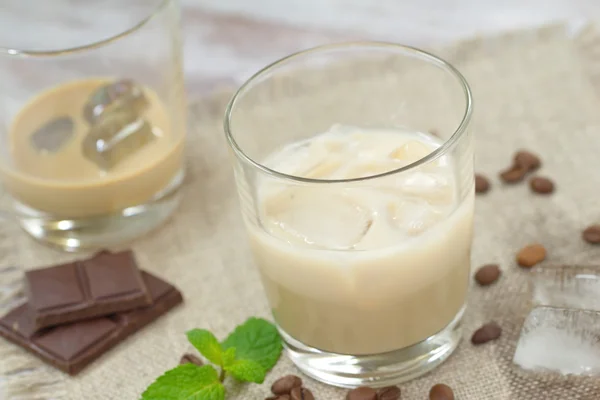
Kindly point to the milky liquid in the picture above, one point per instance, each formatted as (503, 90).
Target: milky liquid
(66, 182)
(368, 267)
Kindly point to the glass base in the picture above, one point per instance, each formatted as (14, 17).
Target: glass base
(377, 370)
(94, 233)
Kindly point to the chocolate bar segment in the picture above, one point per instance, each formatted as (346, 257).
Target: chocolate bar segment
(72, 347)
(104, 284)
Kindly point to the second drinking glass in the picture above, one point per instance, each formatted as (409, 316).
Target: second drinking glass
(354, 166)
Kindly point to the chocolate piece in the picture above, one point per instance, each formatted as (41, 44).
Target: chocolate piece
(72, 347)
(104, 284)
(488, 332)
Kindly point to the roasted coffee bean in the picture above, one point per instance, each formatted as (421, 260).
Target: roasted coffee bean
(284, 385)
(389, 393)
(482, 184)
(527, 160)
(282, 397)
(541, 185)
(300, 393)
(188, 358)
(531, 255)
(513, 175)
(488, 332)
(441, 392)
(362, 393)
(487, 274)
(592, 234)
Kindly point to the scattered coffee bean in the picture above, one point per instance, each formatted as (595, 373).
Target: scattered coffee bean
(441, 392)
(513, 175)
(527, 160)
(300, 393)
(282, 397)
(487, 274)
(541, 185)
(482, 184)
(592, 234)
(284, 385)
(362, 393)
(488, 332)
(530, 255)
(389, 393)
(188, 358)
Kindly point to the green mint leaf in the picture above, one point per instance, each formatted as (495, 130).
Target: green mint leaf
(246, 371)
(207, 344)
(256, 340)
(228, 357)
(187, 382)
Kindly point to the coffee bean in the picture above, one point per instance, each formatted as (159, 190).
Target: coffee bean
(482, 184)
(300, 393)
(592, 234)
(513, 175)
(488, 332)
(530, 255)
(188, 358)
(282, 397)
(541, 185)
(284, 385)
(487, 274)
(527, 160)
(362, 393)
(441, 392)
(389, 393)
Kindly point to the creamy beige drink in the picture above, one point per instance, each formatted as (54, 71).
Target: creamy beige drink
(366, 268)
(60, 179)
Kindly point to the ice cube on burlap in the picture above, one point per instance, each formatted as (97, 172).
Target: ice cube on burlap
(566, 341)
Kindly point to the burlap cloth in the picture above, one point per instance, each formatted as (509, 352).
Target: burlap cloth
(533, 89)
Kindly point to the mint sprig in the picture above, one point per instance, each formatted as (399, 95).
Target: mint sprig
(247, 354)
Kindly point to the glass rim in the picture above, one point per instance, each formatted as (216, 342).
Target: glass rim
(456, 135)
(143, 21)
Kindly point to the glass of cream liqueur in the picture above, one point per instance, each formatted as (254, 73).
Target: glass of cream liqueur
(92, 120)
(354, 168)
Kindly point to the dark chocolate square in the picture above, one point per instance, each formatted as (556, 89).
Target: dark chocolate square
(53, 287)
(68, 341)
(112, 274)
(101, 285)
(20, 320)
(73, 346)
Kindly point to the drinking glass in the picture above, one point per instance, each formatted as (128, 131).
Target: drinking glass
(92, 118)
(366, 273)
